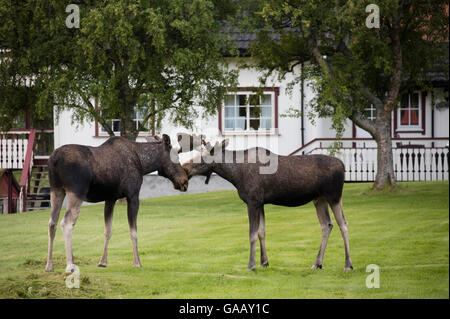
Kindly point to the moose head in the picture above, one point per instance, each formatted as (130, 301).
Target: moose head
(204, 162)
(170, 164)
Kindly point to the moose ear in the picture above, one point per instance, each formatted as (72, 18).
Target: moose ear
(208, 146)
(188, 142)
(211, 151)
(155, 137)
(225, 143)
(166, 139)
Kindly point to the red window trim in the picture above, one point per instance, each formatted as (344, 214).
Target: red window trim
(276, 90)
(96, 123)
(422, 130)
(424, 95)
(353, 134)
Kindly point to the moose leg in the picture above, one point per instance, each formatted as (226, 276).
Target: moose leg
(327, 225)
(262, 239)
(56, 197)
(343, 226)
(67, 225)
(254, 219)
(133, 207)
(109, 210)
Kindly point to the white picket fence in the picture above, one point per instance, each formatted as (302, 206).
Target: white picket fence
(412, 161)
(13, 149)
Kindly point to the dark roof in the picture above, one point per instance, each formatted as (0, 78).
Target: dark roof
(438, 79)
(243, 40)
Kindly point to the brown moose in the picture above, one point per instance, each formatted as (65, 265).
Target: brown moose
(296, 181)
(111, 171)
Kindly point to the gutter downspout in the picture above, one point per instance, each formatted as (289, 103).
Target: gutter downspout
(432, 117)
(302, 105)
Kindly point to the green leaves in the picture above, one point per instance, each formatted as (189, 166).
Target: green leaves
(128, 54)
(360, 61)
(349, 65)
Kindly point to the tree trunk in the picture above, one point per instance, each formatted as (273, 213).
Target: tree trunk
(385, 173)
(128, 126)
(380, 130)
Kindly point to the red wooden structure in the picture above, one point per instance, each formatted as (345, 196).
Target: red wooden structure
(9, 192)
(18, 152)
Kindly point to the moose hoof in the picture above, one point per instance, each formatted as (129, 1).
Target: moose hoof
(49, 268)
(251, 268)
(315, 266)
(102, 265)
(264, 264)
(348, 268)
(71, 268)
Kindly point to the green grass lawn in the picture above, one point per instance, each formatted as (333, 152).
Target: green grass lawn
(196, 246)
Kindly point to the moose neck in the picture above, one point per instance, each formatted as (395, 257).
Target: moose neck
(150, 156)
(229, 171)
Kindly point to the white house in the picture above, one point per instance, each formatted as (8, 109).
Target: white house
(420, 132)
(419, 128)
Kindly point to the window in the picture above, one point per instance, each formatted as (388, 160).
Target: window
(410, 117)
(371, 112)
(247, 111)
(115, 126)
(115, 123)
(409, 110)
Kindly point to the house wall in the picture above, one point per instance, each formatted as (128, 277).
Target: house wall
(441, 118)
(66, 132)
(441, 114)
(287, 139)
(441, 125)
(282, 142)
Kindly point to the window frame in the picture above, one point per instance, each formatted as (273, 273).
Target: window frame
(372, 111)
(408, 128)
(273, 91)
(100, 132)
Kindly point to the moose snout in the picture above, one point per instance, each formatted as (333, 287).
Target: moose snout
(182, 185)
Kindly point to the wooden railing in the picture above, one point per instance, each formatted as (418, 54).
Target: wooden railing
(20, 149)
(421, 164)
(13, 147)
(17, 153)
(26, 171)
(415, 159)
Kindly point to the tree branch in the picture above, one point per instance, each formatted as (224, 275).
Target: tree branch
(356, 116)
(141, 125)
(152, 114)
(396, 78)
(96, 114)
(363, 122)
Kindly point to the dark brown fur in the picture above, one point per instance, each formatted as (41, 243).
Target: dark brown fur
(111, 171)
(297, 181)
